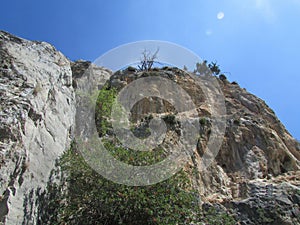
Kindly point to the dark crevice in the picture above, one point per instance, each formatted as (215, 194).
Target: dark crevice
(36, 118)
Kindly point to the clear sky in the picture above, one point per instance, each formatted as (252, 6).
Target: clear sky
(256, 42)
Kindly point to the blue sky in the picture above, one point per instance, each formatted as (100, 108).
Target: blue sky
(256, 42)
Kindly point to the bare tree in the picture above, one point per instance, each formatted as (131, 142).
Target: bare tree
(148, 59)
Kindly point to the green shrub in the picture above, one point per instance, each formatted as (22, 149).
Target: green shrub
(205, 69)
(218, 218)
(105, 100)
(222, 77)
(203, 121)
(88, 198)
(263, 216)
(214, 67)
(170, 119)
(91, 199)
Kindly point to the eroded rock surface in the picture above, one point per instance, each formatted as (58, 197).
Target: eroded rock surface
(256, 171)
(255, 176)
(37, 113)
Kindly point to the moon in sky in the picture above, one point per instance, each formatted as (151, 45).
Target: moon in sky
(220, 15)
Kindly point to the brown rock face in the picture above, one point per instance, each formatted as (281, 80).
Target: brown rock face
(255, 145)
(256, 149)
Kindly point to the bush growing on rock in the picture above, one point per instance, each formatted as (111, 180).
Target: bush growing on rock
(91, 199)
(206, 69)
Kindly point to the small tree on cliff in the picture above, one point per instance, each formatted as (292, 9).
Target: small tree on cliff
(214, 67)
(204, 69)
(147, 60)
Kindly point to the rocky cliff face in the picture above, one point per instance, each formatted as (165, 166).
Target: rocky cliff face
(255, 176)
(36, 117)
(256, 172)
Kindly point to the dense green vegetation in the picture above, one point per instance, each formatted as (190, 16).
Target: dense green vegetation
(90, 199)
(94, 200)
(85, 197)
(106, 97)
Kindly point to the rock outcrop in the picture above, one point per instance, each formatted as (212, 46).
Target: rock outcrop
(37, 113)
(256, 174)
